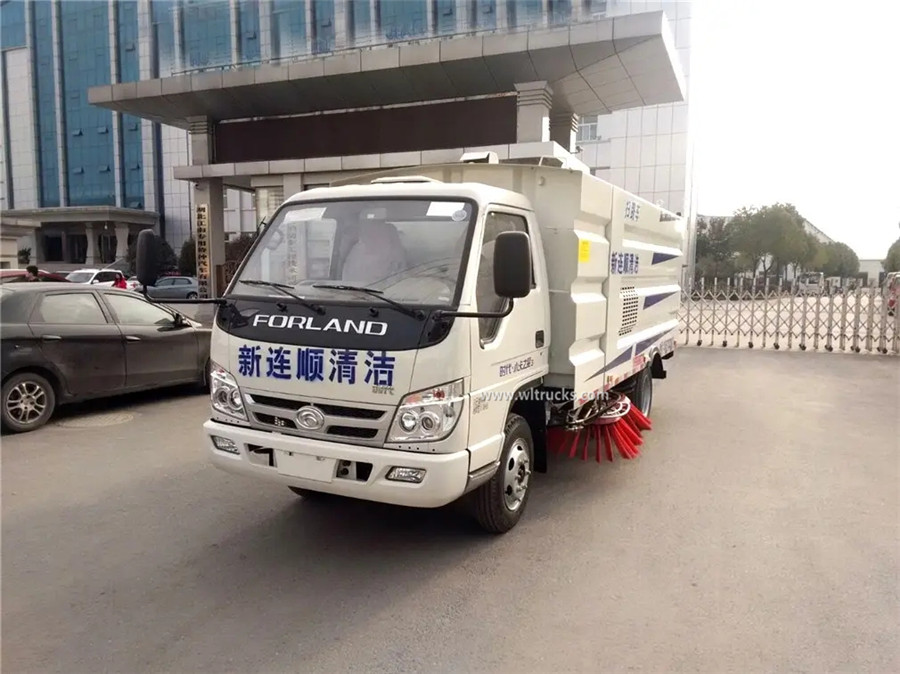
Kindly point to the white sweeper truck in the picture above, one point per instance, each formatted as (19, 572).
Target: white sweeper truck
(425, 335)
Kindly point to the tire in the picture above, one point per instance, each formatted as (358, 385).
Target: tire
(28, 402)
(642, 394)
(496, 504)
(192, 296)
(203, 384)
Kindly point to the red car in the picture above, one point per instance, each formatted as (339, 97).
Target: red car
(20, 275)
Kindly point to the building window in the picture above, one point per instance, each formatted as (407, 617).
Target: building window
(206, 26)
(587, 129)
(402, 20)
(360, 17)
(288, 28)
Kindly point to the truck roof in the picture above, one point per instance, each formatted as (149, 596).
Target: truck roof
(427, 189)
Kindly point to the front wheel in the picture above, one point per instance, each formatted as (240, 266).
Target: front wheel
(28, 402)
(499, 503)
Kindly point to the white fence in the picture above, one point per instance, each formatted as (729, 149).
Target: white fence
(740, 315)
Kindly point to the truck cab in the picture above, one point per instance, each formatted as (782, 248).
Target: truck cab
(365, 321)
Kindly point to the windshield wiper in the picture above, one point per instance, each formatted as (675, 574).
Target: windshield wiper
(409, 311)
(286, 289)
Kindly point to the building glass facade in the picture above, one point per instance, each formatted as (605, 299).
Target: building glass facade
(12, 30)
(83, 155)
(89, 136)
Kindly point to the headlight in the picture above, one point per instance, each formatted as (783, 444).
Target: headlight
(225, 395)
(429, 415)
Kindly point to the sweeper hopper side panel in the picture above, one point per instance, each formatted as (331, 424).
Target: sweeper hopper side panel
(645, 267)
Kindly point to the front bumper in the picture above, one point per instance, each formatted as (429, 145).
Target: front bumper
(315, 464)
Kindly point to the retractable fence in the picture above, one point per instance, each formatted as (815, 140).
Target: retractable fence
(747, 315)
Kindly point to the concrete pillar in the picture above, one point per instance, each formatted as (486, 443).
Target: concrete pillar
(502, 19)
(564, 129)
(209, 235)
(265, 30)
(115, 77)
(90, 256)
(342, 36)
(178, 21)
(235, 20)
(533, 113)
(202, 141)
(62, 157)
(121, 241)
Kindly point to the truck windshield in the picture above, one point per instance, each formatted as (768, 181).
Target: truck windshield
(409, 250)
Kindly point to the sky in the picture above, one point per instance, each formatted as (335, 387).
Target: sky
(799, 101)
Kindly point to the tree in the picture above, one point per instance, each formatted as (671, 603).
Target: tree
(892, 261)
(714, 250)
(237, 248)
(187, 260)
(841, 261)
(771, 236)
(166, 256)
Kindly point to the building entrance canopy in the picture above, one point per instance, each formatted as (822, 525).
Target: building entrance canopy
(592, 67)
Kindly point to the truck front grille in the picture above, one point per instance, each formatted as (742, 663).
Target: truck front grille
(327, 408)
(364, 424)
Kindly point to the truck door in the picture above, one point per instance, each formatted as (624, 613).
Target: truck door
(506, 352)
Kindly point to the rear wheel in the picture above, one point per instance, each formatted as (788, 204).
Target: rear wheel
(192, 296)
(28, 402)
(498, 504)
(642, 394)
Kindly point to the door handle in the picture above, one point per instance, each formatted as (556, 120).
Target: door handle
(132, 338)
(51, 338)
(539, 339)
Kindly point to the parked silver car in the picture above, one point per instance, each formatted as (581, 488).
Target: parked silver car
(173, 288)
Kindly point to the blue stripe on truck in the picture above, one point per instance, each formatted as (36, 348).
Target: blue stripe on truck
(650, 300)
(662, 257)
(618, 360)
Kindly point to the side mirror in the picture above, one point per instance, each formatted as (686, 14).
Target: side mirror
(147, 257)
(512, 265)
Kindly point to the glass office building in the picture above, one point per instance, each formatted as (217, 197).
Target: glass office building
(62, 155)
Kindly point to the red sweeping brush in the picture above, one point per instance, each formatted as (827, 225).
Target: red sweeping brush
(619, 423)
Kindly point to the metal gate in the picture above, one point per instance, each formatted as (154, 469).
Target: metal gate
(744, 315)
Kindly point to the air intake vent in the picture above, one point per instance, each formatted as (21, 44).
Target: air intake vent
(629, 310)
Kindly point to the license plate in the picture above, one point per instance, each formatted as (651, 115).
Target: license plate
(305, 466)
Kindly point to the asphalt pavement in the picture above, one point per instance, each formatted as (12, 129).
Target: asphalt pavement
(757, 533)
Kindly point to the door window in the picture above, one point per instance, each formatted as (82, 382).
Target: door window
(70, 309)
(487, 300)
(165, 282)
(182, 282)
(134, 311)
(105, 276)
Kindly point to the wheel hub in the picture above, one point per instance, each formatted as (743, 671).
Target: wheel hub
(26, 402)
(517, 476)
